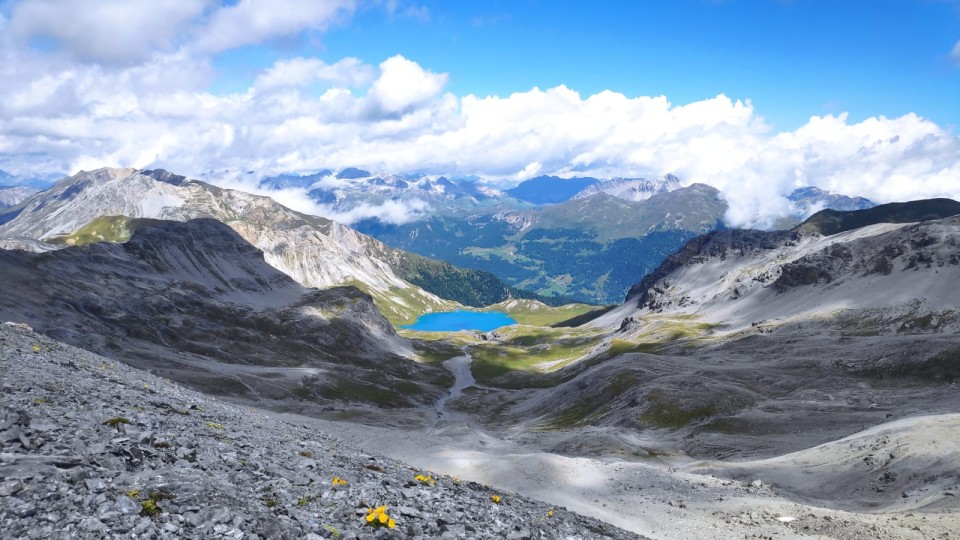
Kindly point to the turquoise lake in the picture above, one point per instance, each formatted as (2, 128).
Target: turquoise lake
(451, 321)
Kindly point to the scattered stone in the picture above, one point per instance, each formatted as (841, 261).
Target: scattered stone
(167, 475)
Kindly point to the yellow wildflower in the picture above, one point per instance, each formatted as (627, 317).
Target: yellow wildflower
(377, 517)
(425, 480)
(337, 481)
(495, 499)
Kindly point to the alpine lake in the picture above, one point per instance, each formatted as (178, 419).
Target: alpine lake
(453, 321)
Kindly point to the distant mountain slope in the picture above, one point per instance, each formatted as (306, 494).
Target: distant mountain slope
(813, 198)
(550, 189)
(696, 208)
(314, 251)
(352, 194)
(195, 302)
(12, 196)
(739, 277)
(761, 342)
(829, 222)
(589, 249)
(631, 189)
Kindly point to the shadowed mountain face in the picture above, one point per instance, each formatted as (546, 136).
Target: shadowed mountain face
(829, 222)
(550, 189)
(195, 302)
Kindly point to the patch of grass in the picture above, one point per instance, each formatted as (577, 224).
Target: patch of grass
(361, 392)
(149, 506)
(436, 351)
(577, 415)
(664, 414)
(531, 349)
(103, 229)
(403, 306)
(116, 421)
(214, 425)
(588, 411)
(534, 313)
(305, 500)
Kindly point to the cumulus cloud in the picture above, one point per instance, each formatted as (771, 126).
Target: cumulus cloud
(301, 72)
(395, 212)
(124, 32)
(254, 21)
(150, 107)
(403, 84)
(110, 31)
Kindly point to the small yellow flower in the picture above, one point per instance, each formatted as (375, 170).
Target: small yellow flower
(495, 499)
(36, 348)
(425, 480)
(377, 517)
(550, 513)
(337, 481)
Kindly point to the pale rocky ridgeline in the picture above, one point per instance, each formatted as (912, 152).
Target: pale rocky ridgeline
(194, 302)
(737, 278)
(631, 189)
(316, 252)
(90, 448)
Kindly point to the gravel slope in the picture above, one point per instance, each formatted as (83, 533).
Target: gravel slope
(210, 468)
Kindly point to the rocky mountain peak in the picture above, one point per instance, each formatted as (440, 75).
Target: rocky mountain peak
(632, 189)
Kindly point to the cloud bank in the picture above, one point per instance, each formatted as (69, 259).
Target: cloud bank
(98, 93)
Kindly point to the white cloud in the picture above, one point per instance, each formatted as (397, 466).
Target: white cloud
(108, 31)
(392, 211)
(124, 32)
(404, 84)
(254, 21)
(149, 107)
(302, 72)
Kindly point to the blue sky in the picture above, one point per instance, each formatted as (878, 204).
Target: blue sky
(792, 59)
(754, 97)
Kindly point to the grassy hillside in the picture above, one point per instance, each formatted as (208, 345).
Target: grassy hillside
(103, 229)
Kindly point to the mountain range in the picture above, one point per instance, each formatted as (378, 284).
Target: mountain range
(316, 252)
(541, 236)
(822, 359)
(588, 249)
